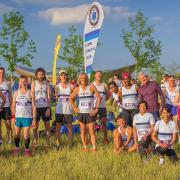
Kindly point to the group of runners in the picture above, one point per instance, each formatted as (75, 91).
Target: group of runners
(148, 114)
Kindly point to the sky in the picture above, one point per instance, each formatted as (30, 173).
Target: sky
(44, 19)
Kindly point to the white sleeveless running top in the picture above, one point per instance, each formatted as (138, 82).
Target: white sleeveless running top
(5, 90)
(170, 95)
(23, 105)
(41, 94)
(129, 97)
(102, 91)
(63, 105)
(125, 137)
(86, 100)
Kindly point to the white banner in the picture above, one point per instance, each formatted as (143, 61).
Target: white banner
(91, 34)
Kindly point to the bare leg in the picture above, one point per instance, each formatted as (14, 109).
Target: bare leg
(91, 127)
(70, 133)
(58, 135)
(48, 133)
(83, 135)
(104, 128)
(35, 133)
(9, 130)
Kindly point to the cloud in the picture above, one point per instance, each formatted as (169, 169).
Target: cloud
(58, 16)
(157, 18)
(5, 9)
(43, 1)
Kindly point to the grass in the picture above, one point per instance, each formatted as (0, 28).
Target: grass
(74, 164)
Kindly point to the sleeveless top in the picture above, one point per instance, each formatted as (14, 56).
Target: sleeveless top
(102, 91)
(63, 105)
(125, 137)
(41, 94)
(86, 100)
(129, 97)
(23, 105)
(5, 90)
(170, 95)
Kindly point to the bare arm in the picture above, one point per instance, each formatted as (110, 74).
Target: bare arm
(48, 95)
(161, 95)
(13, 106)
(33, 106)
(72, 100)
(94, 90)
(3, 99)
(56, 93)
(135, 135)
(177, 99)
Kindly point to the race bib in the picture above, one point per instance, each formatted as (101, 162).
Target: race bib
(41, 100)
(85, 104)
(64, 99)
(141, 133)
(130, 105)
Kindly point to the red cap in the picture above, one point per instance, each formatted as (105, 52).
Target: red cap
(126, 75)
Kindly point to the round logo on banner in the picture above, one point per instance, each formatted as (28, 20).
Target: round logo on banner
(94, 15)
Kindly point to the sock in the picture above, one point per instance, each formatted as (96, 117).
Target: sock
(17, 140)
(27, 142)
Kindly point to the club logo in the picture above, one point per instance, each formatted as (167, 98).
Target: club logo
(94, 15)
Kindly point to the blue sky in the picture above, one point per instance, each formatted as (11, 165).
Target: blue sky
(45, 18)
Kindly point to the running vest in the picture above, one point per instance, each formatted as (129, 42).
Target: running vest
(129, 97)
(86, 100)
(41, 94)
(170, 95)
(125, 137)
(165, 131)
(5, 90)
(102, 91)
(23, 105)
(63, 105)
(142, 123)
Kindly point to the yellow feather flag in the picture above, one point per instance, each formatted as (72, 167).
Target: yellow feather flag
(56, 51)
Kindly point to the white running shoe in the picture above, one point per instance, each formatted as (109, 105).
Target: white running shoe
(161, 161)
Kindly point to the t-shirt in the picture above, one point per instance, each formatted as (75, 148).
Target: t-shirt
(165, 131)
(143, 123)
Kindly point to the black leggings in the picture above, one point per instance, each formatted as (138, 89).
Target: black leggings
(170, 153)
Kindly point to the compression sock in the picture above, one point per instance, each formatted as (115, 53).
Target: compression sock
(27, 142)
(17, 140)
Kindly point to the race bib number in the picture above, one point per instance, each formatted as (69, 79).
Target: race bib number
(130, 105)
(63, 99)
(41, 100)
(24, 104)
(141, 133)
(85, 104)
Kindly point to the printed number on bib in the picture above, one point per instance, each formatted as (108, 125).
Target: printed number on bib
(41, 100)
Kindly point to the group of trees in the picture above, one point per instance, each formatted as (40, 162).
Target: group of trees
(17, 48)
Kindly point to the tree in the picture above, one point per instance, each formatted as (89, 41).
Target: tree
(173, 68)
(15, 46)
(73, 52)
(139, 41)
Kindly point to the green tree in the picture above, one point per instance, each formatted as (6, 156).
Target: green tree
(15, 46)
(72, 48)
(139, 41)
(173, 68)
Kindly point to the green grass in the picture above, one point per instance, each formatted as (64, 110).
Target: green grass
(75, 164)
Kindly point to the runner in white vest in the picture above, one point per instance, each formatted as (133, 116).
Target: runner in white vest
(103, 91)
(116, 96)
(129, 96)
(41, 91)
(170, 93)
(123, 137)
(143, 124)
(5, 88)
(23, 113)
(64, 111)
(86, 110)
(164, 135)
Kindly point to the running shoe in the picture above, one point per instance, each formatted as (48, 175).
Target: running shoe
(16, 151)
(27, 153)
(161, 161)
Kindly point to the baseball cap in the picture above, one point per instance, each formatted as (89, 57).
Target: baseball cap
(62, 71)
(126, 75)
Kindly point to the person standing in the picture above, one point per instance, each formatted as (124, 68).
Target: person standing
(149, 92)
(103, 91)
(23, 114)
(5, 88)
(86, 110)
(42, 94)
(64, 111)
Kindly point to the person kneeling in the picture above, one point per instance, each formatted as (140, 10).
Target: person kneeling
(164, 135)
(123, 137)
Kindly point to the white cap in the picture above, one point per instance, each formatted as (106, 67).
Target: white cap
(62, 71)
